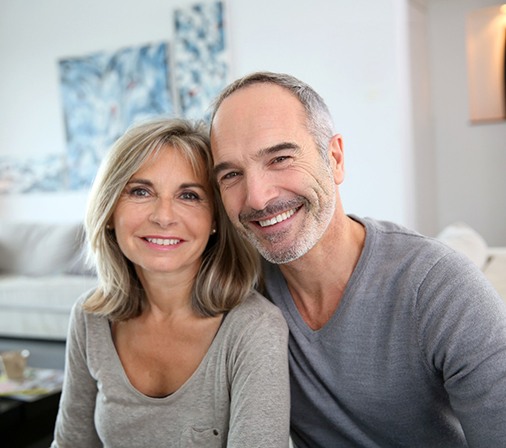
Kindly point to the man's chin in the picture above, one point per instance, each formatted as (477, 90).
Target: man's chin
(277, 259)
(277, 255)
(274, 248)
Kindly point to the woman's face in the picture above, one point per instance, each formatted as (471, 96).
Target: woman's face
(164, 216)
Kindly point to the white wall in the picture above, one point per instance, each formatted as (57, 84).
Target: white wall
(424, 154)
(471, 159)
(392, 71)
(351, 52)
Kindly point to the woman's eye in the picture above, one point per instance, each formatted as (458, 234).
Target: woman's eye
(139, 192)
(190, 195)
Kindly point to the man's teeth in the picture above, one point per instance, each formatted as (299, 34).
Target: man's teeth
(276, 219)
(163, 242)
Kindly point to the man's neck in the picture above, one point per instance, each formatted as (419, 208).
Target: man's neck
(318, 279)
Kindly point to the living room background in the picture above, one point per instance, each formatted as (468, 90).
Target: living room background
(392, 71)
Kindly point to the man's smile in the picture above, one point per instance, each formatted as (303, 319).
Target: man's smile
(278, 218)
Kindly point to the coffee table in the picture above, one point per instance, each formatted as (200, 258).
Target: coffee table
(28, 409)
(23, 423)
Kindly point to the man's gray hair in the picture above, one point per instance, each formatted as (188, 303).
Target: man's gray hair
(319, 120)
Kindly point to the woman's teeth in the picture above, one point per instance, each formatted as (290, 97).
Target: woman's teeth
(162, 242)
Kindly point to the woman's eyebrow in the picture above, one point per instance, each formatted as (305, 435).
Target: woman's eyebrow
(134, 180)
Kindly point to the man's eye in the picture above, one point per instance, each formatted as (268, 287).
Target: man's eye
(230, 175)
(280, 159)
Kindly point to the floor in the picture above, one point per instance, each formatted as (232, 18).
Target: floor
(42, 443)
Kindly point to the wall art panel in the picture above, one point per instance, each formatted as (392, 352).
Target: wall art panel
(103, 94)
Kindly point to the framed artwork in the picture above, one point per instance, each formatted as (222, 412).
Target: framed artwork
(105, 93)
(46, 173)
(201, 57)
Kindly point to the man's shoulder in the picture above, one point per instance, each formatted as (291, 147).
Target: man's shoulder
(390, 233)
(386, 227)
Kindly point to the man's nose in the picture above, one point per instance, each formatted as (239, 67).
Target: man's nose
(260, 190)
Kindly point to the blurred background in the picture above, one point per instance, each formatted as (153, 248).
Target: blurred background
(395, 74)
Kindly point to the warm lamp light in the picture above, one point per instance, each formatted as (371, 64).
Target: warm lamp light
(486, 48)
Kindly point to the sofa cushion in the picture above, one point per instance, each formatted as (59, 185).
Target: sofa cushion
(38, 249)
(39, 307)
(463, 238)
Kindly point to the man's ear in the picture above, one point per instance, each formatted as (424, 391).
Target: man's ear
(336, 157)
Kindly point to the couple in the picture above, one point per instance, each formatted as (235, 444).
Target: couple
(395, 339)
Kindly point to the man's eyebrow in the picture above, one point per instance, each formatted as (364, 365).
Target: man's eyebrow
(221, 167)
(270, 150)
(276, 148)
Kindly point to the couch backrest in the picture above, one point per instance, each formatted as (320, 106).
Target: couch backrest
(41, 248)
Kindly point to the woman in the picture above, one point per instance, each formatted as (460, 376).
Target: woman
(174, 348)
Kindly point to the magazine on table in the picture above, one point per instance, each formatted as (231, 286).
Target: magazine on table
(36, 383)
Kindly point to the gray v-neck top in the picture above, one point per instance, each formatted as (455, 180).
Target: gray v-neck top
(414, 356)
(237, 397)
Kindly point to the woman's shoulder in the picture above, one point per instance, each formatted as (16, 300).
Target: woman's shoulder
(255, 309)
(255, 322)
(79, 315)
(77, 308)
(256, 303)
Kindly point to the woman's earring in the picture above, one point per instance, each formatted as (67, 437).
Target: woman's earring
(213, 231)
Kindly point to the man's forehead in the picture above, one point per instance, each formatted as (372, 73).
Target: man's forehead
(259, 96)
(255, 109)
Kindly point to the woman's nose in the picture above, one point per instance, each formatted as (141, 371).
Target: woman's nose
(163, 212)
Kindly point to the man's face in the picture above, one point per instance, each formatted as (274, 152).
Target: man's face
(275, 186)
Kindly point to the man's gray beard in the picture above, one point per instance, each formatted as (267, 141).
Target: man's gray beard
(279, 258)
(300, 247)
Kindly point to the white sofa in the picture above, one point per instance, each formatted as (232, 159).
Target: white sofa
(42, 273)
(491, 260)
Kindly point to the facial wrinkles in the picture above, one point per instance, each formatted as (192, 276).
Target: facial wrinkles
(319, 210)
(311, 181)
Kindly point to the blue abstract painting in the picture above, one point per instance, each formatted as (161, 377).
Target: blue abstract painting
(201, 57)
(105, 93)
(46, 173)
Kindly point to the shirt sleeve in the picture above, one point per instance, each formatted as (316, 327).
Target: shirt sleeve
(260, 395)
(463, 334)
(75, 421)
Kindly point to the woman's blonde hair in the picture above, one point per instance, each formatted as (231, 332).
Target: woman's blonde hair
(230, 265)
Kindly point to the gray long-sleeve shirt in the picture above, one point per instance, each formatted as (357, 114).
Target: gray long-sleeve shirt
(237, 397)
(414, 356)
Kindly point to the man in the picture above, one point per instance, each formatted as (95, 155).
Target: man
(395, 339)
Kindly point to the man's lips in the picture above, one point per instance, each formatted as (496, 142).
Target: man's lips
(278, 218)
